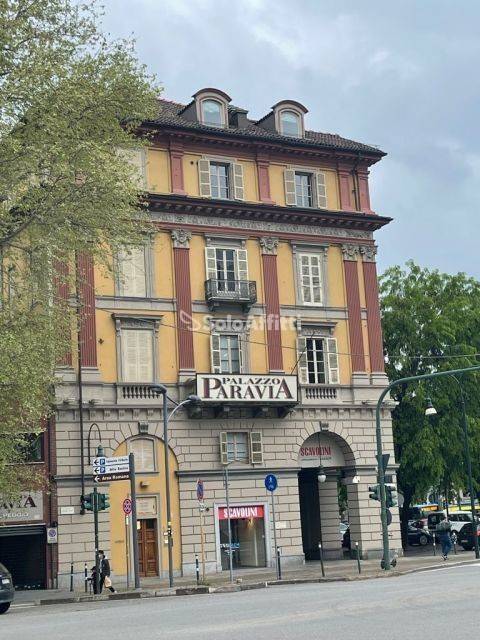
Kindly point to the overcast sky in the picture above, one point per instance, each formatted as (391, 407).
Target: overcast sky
(400, 75)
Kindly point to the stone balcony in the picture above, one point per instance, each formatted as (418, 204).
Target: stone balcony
(137, 393)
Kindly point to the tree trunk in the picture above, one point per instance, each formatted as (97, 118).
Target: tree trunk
(407, 501)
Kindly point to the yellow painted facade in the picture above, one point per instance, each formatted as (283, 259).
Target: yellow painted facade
(147, 485)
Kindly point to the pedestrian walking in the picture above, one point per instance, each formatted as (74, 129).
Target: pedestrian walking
(443, 530)
(105, 571)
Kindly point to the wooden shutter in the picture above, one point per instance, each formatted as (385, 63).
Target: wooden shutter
(132, 273)
(215, 353)
(241, 353)
(210, 262)
(256, 447)
(139, 275)
(290, 194)
(223, 447)
(129, 355)
(332, 361)
(136, 158)
(204, 178)
(242, 264)
(321, 190)
(238, 189)
(145, 355)
(302, 366)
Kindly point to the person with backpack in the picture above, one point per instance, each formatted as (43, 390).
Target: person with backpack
(443, 531)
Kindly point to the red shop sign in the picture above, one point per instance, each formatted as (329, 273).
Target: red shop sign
(245, 511)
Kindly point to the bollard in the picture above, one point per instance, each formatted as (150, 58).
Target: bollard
(321, 559)
(434, 545)
(197, 569)
(85, 577)
(279, 566)
(358, 558)
(71, 576)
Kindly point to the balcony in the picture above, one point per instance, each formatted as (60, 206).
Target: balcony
(236, 292)
(137, 392)
(318, 394)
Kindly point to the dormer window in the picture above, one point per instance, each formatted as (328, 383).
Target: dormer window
(212, 113)
(290, 124)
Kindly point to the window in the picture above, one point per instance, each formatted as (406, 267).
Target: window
(223, 180)
(132, 273)
(144, 452)
(318, 360)
(226, 353)
(226, 265)
(212, 113)
(310, 267)
(241, 446)
(31, 448)
(303, 189)
(290, 124)
(219, 180)
(137, 355)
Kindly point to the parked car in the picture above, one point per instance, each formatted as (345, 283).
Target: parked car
(417, 535)
(465, 536)
(457, 519)
(6, 589)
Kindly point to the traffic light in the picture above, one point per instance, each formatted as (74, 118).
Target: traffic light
(392, 495)
(88, 502)
(374, 492)
(103, 501)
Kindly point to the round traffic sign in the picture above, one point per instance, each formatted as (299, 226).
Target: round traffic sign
(127, 506)
(200, 490)
(271, 482)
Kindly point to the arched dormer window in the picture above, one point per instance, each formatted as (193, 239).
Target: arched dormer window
(290, 123)
(288, 116)
(212, 107)
(212, 113)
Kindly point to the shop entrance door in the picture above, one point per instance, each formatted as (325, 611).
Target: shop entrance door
(310, 512)
(248, 538)
(148, 548)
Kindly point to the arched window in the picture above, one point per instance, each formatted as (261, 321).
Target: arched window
(144, 452)
(212, 113)
(290, 124)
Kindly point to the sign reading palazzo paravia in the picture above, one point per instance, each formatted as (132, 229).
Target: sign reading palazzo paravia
(246, 388)
(27, 508)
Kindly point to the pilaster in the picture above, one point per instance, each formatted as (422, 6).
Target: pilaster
(181, 263)
(350, 254)
(268, 247)
(374, 324)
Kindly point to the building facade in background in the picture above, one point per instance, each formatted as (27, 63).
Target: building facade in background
(257, 290)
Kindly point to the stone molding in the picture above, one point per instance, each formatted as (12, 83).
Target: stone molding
(181, 238)
(350, 251)
(368, 253)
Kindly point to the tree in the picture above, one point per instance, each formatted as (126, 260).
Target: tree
(70, 105)
(431, 322)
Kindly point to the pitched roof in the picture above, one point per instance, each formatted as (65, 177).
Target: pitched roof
(170, 116)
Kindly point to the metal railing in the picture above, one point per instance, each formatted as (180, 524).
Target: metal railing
(243, 292)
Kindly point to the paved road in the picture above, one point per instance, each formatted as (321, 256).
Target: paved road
(430, 605)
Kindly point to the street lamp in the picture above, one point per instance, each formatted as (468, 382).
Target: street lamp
(160, 389)
(430, 411)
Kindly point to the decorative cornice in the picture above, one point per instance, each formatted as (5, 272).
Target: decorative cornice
(350, 251)
(181, 238)
(234, 209)
(269, 245)
(368, 252)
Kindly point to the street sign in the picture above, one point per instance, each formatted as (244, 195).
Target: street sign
(127, 506)
(111, 477)
(101, 461)
(118, 468)
(200, 490)
(52, 535)
(271, 482)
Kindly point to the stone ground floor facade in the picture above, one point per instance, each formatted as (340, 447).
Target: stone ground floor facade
(338, 439)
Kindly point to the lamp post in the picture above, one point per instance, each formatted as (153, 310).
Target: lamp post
(160, 389)
(378, 436)
(430, 410)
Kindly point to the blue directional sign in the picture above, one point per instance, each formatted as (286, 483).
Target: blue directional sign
(271, 482)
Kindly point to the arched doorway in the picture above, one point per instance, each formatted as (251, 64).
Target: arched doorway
(151, 510)
(319, 501)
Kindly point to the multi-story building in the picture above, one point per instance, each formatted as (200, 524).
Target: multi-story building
(257, 290)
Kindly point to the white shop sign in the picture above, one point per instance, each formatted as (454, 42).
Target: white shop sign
(323, 450)
(247, 388)
(27, 508)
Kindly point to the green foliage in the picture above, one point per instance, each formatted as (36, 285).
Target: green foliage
(431, 322)
(70, 100)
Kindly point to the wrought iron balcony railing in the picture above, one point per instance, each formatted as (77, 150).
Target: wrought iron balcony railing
(242, 292)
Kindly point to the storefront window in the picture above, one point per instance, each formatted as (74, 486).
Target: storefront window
(248, 536)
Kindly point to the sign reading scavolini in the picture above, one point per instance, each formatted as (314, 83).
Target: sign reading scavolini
(247, 388)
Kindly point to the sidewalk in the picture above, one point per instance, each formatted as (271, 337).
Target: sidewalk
(337, 570)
